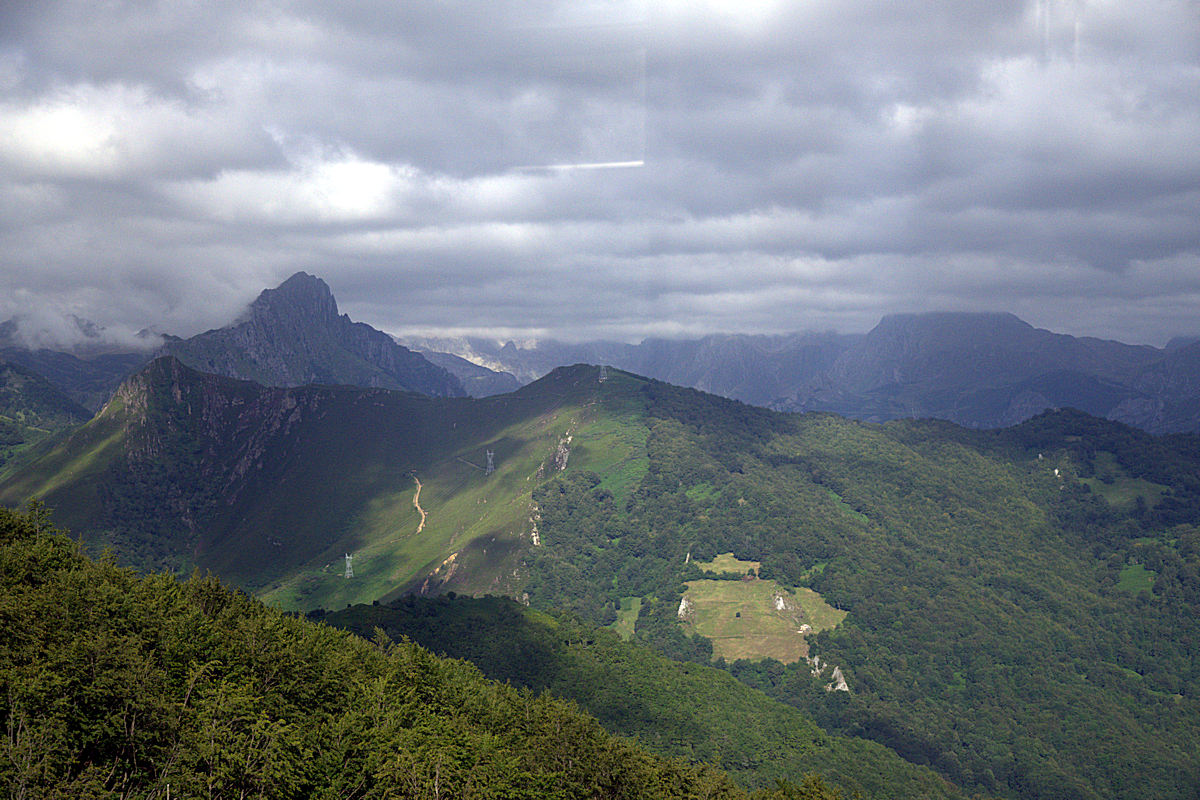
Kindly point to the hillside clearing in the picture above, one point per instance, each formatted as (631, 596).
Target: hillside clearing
(756, 619)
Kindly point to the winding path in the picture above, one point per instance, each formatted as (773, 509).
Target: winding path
(417, 503)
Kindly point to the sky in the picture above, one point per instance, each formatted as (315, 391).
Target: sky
(595, 169)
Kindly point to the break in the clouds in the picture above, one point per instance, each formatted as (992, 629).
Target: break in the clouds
(604, 169)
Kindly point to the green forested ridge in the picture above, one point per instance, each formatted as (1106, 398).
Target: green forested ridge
(988, 634)
(678, 710)
(270, 487)
(120, 686)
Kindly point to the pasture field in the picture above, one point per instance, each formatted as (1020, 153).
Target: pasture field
(756, 619)
(1118, 488)
(1136, 578)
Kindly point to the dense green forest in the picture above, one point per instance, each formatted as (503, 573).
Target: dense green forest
(1024, 606)
(681, 710)
(116, 686)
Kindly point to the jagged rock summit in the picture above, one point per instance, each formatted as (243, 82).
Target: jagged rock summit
(293, 335)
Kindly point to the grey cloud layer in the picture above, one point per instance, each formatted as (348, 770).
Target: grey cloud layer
(809, 164)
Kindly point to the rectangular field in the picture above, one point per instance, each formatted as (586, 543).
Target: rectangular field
(755, 619)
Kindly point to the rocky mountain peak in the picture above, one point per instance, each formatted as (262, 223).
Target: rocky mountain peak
(292, 335)
(301, 297)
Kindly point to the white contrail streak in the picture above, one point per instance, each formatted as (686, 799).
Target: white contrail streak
(593, 165)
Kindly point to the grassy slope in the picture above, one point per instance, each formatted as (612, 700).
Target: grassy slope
(69, 473)
(477, 525)
(743, 618)
(286, 482)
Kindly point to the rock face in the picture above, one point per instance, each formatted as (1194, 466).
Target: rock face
(293, 335)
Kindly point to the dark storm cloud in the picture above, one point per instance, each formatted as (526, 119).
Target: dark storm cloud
(782, 165)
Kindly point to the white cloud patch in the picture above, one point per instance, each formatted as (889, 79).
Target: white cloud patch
(340, 189)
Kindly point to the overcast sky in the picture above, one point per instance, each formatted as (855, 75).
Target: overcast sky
(604, 169)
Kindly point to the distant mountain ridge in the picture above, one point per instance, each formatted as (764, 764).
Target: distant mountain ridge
(754, 369)
(980, 370)
(293, 335)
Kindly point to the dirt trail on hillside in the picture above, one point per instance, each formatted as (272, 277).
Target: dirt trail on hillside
(417, 503)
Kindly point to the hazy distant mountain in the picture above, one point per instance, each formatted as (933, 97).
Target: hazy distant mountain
(86, 367)
(1169, 392)
(980, 370)
(478, 381)
(753, 369)
(88, 381)
(977, 369)
(293, 335)
(526, 361)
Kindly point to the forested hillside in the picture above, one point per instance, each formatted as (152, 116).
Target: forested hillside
(674, 709)
(126, 686)
(1023, 605)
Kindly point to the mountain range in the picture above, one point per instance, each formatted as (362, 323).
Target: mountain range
(981, 370)
(913, 607)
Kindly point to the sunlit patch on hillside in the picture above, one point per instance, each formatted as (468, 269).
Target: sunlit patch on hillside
(1120, 489)
(752, 618)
